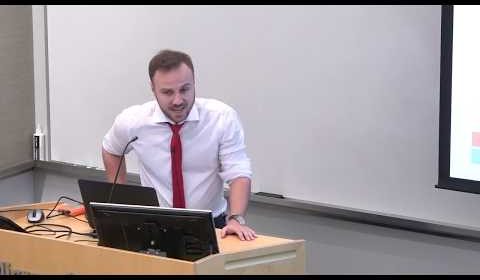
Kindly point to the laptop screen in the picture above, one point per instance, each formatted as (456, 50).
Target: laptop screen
(98, 191)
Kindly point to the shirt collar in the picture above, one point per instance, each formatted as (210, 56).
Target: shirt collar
(159, 116)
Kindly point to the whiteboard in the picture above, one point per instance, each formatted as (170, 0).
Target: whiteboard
(339, 103)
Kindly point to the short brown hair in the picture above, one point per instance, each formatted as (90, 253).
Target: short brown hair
(167, 60)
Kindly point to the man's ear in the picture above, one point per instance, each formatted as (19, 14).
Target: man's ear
(152, 87)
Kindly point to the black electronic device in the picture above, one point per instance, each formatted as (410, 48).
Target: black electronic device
(7, 224)
(186, 234)
(97, 191)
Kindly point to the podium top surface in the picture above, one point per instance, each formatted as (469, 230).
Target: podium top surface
(229, 244)
(45, 254)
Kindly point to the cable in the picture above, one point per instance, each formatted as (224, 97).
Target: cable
(42, 226)
(68, 230)
(76, 218)
(46, 228)
(65, 213)
(52, 232)
(60, 213)
(119, 167)
(47, 224)
(62, 235)
(84, 234)
(58, 201)
(26, 209)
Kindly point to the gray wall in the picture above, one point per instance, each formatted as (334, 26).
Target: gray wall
(16, 85)
(17, 189)
(333, 246)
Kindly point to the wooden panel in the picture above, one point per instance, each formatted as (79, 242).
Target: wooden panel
(74, 254)
(287, 257)
(16, 85)
(44, 255)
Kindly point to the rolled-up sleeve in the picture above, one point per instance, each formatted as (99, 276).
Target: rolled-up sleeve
(234, 161)
(118, 135)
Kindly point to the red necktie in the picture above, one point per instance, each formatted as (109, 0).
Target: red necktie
(177, 177)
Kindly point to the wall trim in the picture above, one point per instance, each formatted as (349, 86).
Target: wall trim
(16, 169)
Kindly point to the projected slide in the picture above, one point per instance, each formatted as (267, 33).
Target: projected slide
(465, 121)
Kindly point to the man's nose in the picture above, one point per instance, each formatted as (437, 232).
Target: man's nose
(177, 99)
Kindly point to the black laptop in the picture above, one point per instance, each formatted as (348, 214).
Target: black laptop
(97, 191)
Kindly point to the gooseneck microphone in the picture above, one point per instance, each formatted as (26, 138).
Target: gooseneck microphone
(119, 166)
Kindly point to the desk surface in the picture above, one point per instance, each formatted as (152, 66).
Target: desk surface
(229, 244)
(46, 254)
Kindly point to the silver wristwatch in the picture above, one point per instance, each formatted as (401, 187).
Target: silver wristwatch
(239, 218)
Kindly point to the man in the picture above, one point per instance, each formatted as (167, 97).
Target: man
(186, 147)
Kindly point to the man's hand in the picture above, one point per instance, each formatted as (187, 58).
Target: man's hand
(243, 232)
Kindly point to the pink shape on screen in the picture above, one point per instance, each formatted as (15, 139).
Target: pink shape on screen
(476, 139)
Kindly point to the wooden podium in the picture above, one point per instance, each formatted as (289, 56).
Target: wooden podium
(25, 253)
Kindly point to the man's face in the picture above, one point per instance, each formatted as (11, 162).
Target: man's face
(175, 92)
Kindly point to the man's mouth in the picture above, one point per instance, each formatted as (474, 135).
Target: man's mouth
(177, 109)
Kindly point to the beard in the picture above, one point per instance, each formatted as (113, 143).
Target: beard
(177, 113)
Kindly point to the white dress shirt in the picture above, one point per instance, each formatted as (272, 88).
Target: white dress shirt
(213, 150)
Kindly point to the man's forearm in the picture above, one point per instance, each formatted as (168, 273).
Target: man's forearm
(111, 163)
(239, 195)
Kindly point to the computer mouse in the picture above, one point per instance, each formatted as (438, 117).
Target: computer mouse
(35, 216)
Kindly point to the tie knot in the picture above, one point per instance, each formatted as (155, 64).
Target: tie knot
(175, 127)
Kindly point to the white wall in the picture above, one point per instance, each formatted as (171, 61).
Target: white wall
(339, 103)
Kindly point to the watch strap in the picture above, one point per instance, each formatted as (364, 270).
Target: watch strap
(239, 218)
